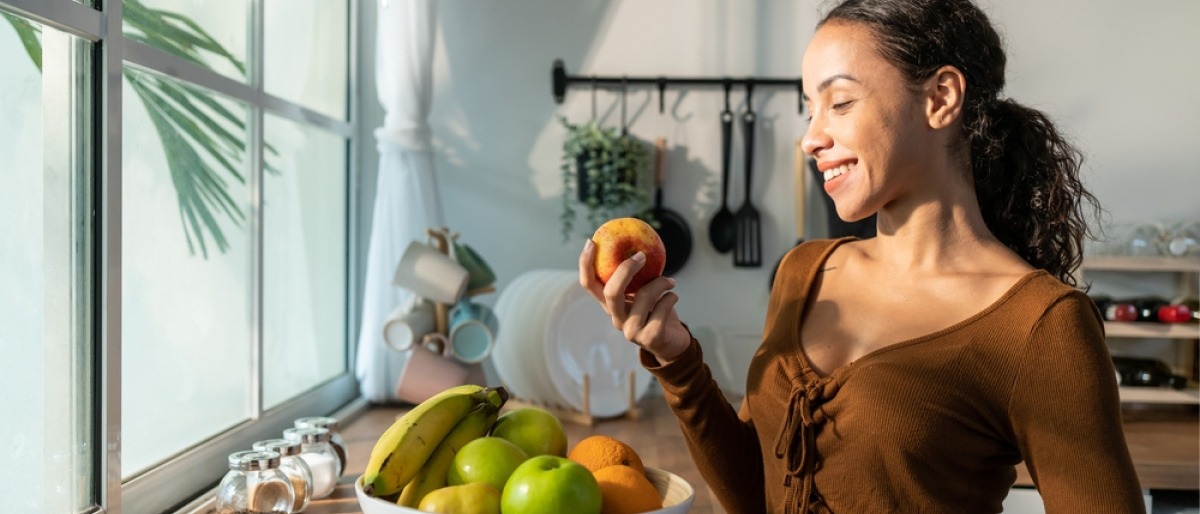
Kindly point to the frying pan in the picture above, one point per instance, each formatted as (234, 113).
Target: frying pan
(672, 229)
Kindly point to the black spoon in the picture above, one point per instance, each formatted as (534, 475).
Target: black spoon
(722, 231)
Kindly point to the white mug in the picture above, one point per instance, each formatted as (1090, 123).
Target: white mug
(408, 324)
(431, 274)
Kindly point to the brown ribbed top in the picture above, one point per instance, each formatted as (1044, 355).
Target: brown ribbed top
(932, 424)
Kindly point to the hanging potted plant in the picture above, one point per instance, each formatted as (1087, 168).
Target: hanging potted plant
(602, 170)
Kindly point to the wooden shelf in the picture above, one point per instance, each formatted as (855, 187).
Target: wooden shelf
(1113, 263)
(1151, 330)
(1160, 395)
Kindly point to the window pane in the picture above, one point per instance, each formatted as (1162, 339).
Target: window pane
(47, 432)
(304, 259)
(186, 272)
(211, 33)
(305, 53)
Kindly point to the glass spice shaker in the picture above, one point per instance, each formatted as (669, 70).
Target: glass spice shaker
(320, 456)
(254, 485)
(294, 467)
(336, 440)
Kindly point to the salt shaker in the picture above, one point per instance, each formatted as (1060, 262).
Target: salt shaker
(294, 467)
(336, 440)
(254, 484)
(320, 456)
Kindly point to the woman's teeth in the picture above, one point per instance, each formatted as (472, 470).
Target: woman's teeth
(834, 172)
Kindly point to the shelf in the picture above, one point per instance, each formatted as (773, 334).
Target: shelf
(1151, 330)
(1164, 395)
(1114, 263)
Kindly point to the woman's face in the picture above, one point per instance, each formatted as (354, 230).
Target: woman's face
(868, 130)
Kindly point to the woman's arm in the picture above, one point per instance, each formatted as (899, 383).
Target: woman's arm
(1066, 415)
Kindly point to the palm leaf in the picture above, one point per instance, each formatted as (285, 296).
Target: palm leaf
(28, 33)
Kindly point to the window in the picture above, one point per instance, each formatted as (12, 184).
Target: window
(176, 250)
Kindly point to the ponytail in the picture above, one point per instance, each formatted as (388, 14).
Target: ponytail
(1027, 183)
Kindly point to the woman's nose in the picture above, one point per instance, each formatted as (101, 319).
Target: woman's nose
(815, 138)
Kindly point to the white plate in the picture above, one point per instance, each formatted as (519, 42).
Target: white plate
(512, 310)
(676, 493)
(558, 283)
(581, 339)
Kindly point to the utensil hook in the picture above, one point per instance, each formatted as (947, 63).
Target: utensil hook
(593, 98)
(728, 88)
(749, 96)
(624, 127)
(662, 89)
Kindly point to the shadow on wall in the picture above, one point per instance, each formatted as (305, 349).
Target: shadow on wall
(501, 92)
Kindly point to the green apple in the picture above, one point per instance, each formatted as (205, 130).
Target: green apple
(548, 484)
(473, 498)
(534, 430)
(485, 459)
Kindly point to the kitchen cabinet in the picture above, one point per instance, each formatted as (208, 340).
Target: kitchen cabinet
(1185, 337)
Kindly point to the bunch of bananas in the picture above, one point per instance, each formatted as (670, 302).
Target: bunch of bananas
(412, 457)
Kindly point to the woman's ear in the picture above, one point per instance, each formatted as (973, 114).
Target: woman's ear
(946, 90)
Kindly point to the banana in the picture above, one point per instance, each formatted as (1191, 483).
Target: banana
(401, 451)
(433, 474)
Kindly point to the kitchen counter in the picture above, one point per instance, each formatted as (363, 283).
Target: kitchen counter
(1165, 449)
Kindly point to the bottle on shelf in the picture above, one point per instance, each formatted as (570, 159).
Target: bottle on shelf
(1181, 310)
(1113, 310)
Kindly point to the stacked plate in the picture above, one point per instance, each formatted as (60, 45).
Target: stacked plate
(555, 334)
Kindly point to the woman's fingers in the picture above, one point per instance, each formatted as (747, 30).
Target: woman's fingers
(615, 299)
(644, 302)
(587, 271)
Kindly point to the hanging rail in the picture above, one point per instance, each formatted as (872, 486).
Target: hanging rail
(561, 81)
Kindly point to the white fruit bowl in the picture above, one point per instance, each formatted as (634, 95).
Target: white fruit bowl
(677, 495)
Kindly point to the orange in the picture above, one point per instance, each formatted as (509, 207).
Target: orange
(601, 451)
(626, 491)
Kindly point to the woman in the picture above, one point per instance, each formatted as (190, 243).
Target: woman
(912, 371)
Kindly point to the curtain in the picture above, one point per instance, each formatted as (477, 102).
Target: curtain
(407, 199)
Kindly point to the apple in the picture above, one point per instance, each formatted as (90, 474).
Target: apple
(548, 484)
(473, 498)
(619, 239)
(485, 459)
(534, 430)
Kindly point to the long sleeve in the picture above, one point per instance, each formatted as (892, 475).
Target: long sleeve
(722, 442)
(1066, 415)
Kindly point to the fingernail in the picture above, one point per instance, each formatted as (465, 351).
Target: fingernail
(588, 244)
(639, 257)
(671, 281)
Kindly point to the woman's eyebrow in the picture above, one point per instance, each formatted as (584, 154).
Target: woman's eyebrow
(829, 81)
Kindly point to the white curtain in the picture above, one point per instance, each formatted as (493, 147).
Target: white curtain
(407, 199)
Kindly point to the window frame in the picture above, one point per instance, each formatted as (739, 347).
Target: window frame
(193, 473)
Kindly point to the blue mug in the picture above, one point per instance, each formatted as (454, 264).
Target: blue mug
(473, 330)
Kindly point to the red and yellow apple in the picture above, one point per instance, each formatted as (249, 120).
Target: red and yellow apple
(619, 239)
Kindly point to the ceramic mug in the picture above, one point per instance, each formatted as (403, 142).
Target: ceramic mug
(473, 329)
(431, 274)
(429, 371)
(408, 324)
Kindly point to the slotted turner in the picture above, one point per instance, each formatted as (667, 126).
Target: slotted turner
(748, 252)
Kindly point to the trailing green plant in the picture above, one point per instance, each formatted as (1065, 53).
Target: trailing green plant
(609, 167)
(194, 128)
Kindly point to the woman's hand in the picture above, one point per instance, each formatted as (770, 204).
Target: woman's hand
(647, 317)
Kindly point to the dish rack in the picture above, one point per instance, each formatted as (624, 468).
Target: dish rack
(582, 416)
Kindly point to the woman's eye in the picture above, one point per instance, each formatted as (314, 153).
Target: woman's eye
(842, 106)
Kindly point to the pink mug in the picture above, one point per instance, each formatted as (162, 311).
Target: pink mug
(429, 370)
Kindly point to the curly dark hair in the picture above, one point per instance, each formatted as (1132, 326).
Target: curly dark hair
(1026, 172)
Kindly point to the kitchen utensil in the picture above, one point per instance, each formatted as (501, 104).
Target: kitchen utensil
(473, 329)
(580, 339)
(722, 230)
(672, 228)
(799, 202)
(748, 252)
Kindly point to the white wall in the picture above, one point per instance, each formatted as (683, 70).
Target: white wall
(1121, 80)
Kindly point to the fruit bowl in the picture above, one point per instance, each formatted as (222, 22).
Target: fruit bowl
(677, 495)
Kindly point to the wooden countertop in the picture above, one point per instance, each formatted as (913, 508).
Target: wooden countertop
(1165, 449)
